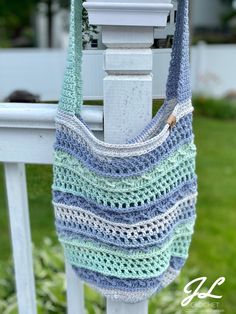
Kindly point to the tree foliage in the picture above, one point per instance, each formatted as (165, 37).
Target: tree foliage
(17, 22)
(15, 18)
(232, 11)
(227, 1)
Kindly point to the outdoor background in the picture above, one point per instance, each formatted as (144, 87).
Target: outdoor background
(34, 32)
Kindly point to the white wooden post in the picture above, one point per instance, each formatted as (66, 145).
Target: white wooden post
(128, 85)
(127, 100)
(127, 32)
(127, 308)
(21, 239)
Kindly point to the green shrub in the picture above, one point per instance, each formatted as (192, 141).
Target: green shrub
(215, 108)
(222, 108)
(51, 288)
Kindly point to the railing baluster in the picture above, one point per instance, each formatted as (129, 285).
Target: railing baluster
(21, 238)
(126, 308)
(75, 292)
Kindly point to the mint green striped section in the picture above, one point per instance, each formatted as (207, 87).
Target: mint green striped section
(72, 177)
(119, 263)
(63, 159)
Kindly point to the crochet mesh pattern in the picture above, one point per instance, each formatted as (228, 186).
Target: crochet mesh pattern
(125, 213)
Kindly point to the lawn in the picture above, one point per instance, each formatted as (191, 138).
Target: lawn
(213, 250)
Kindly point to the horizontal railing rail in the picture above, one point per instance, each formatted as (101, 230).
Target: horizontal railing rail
(27, 131)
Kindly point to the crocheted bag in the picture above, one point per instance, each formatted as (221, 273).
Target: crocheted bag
(125, 213)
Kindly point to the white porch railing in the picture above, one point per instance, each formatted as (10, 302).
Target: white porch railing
(27, 136)
(27, 130)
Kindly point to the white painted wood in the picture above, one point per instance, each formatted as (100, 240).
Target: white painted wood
(161, 61)
(26, 115)
(75, 292)
(27, 131)
(216, 75)
(114, 307)
(128, 84)
(128, 12)
(201, 68)
(127, 106)
(120, 61)
(127, 98)
(42, 116)
(26, 145)
(132, 94)
(163, 32)
(20, 234)
(26, 69)
(27, 134)
(126, 36)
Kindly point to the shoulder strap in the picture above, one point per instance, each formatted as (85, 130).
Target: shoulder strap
(71, 95)
(178, 82)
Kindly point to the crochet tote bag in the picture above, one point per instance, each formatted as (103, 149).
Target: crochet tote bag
(125, 213)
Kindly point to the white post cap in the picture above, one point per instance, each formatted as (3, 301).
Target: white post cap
(128, 12)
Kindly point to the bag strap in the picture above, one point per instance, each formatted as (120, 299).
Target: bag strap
(178, 85)
(178, 82)
(71, 98)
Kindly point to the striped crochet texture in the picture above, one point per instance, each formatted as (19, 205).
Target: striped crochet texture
(125, 213)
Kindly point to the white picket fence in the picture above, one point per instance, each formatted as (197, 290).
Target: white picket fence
(26, 69)
(213, 71)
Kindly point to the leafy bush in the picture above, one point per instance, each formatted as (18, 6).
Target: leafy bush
(222, 108)
(168, 301)
(51, 288)
(50, 282)
(215, 108)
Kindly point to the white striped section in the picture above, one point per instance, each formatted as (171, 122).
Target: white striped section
(120, 150)
(169, 276)
(136, 296)
(152, 226)
(125, 296)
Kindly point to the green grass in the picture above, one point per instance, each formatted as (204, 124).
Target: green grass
(213, 249)
(39, 179)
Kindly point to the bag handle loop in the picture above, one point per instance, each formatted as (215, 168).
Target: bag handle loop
(178, 82)
(72, 90)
